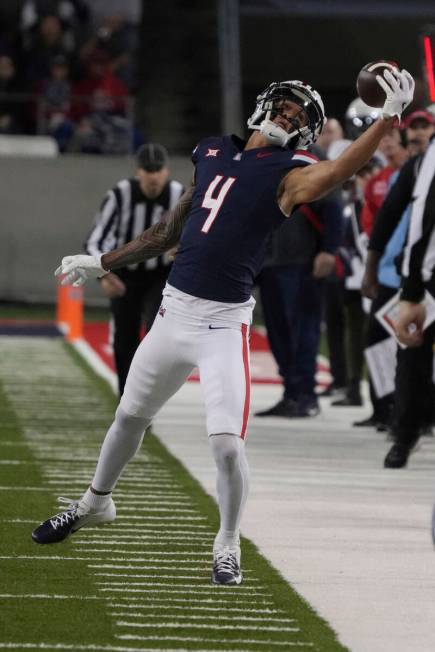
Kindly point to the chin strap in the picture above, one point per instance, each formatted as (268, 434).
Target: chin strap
(274, 134)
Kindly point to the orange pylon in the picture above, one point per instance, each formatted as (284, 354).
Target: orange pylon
(70, 311)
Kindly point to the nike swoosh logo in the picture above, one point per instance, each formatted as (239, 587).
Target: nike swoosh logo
(218, 328)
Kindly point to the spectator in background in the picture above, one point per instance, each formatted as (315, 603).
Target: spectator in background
(101, 9)
(73, 16)
(419, 126)
(301, 255)
(376, 190)
(12, 110)
(342, 334)
(377, 187)
(54, 103)
(131, 206)
(48, 44)
(345, 315)
(332, 131)
(118, 40)
(100, 110)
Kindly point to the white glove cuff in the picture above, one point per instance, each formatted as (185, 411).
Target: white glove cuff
(98, 260)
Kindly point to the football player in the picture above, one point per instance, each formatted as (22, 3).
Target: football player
(241, 191)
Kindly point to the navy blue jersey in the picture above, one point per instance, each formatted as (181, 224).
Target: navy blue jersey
(234, 208)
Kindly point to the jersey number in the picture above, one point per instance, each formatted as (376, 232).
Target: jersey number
(214, 203)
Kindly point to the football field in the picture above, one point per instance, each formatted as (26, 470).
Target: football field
(142, 583)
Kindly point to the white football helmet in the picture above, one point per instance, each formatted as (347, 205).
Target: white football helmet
(300, 93)
(359, 117)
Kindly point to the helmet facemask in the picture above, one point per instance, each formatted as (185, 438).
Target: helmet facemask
(266, 110)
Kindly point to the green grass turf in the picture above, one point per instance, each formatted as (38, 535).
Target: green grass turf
(51, 406)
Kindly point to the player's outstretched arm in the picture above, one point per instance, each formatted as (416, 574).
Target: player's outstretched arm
(153, 242)
(312, 182)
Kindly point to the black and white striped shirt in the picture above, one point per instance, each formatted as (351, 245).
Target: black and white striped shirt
(125, 213)
(419, 259)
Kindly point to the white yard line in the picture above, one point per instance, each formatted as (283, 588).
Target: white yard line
(195, 639)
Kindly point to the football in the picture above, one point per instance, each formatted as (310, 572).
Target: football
(366, 85)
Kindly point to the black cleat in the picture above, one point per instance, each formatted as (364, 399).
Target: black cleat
(370, 422)
(226, 566)
(76, 515)
(284, 408)
(397, 456)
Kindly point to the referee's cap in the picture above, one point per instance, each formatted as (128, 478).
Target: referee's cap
(152, 157)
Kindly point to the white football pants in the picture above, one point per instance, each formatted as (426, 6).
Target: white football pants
(188, 333)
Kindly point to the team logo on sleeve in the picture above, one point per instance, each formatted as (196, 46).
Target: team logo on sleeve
(212, 152)
(162, 311)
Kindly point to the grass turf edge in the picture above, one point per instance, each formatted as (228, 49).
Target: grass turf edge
(285, 596)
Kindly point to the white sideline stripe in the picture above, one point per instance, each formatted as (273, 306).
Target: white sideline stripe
(140, 483)
(108, 542)
(118, 559)
(53, 596)
(154, 528)
(171, 556)
(147, 575)
(25, 488)
(219, 627)
(16, 462)
(163, 577)
(205, 617)
(172, 592)
(165, 538)
(125, 517)
(144, 567)
(230, 609)
(209, 589)
(166, 532)
(73, 476)
(130, 567)
(156, 494)
(194, 639)
(11, 442)
(153, 503)
(103, 648)
(94, 361)
(149, 605)
(159, 509)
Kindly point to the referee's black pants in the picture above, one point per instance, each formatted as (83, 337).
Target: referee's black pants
(138, 307)
(414, 398)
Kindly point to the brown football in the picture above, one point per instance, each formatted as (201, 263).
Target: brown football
(366, 85)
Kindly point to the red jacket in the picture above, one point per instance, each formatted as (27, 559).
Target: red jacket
(375, 192)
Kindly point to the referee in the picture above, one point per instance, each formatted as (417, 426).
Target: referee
(413, 411)
(129, 208)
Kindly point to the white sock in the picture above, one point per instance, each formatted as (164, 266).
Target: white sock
(232, 486)
(94, 501)
(120, 445)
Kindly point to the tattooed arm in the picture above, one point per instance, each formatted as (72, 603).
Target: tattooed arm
(76, 270)
(154, 241)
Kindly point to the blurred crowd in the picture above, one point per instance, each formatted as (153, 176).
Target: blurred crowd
(67, 69)
(336, 265)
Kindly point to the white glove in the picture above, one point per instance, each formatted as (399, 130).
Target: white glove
(77, 269)
(399, 89)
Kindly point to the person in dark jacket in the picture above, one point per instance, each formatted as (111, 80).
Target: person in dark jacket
(301, 255)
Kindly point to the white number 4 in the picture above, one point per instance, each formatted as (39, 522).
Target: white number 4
(214, 203)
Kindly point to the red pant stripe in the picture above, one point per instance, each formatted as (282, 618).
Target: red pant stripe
(245, 353)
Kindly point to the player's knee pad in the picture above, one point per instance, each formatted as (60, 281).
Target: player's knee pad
(129, 425)
(227, 450)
